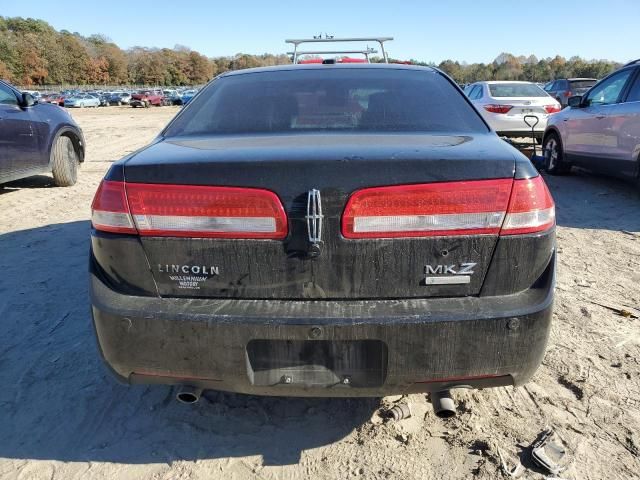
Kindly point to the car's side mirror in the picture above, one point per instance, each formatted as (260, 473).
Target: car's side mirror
(27, 100)
(575, 101)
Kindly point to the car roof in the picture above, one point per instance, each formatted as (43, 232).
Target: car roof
(498, 82)
(311, 66)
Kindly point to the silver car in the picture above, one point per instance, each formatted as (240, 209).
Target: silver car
(600, 131)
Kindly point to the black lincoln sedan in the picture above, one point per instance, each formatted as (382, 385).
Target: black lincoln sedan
(324, 230)
(37, 138)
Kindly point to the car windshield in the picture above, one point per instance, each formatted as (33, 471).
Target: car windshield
(332, 99)
(516, 90)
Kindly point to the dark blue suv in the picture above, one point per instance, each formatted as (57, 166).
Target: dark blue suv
(37, 138)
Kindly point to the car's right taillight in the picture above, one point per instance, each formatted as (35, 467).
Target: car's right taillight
(477, 207)
(163, 210)
(531, 208)
(498, 108)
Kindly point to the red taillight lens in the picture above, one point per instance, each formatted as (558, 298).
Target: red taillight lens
(482, 207)
(567, 93)
(196, 211)
(109, 210)
(552, 108)
(450, 208)
(498, 108)
(531, 208)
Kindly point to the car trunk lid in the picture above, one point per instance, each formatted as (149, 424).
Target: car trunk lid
(336, 166)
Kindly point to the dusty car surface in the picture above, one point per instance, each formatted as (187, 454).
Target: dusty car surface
(324, 230)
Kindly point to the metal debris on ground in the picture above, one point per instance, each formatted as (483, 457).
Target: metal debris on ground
(549, 453)
(514, 472)
(624, 310)
(398, 412)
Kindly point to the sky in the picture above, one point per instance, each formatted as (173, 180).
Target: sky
(427, 30)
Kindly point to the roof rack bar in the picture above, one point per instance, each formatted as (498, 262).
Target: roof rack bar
(331, 52)
(330, 39)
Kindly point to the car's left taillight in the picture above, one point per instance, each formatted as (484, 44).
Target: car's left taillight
(552, 108)
(163, 210)
(497, 108)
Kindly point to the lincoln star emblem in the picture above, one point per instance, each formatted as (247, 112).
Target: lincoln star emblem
(314, 217)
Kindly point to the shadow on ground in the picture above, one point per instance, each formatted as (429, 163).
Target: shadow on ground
(38, 181)
(58, 401)
(589, 201)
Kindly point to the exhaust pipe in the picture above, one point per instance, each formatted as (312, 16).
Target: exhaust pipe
(188, 394)
(443, 404)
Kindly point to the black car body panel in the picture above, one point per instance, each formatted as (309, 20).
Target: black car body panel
(27, 134)
(337, 165)
(426, 345)
(352, 317)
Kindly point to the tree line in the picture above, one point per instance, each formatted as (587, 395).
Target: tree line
(509, 67)
(33, 53)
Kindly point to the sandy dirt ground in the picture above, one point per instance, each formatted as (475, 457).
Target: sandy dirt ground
(63, 417)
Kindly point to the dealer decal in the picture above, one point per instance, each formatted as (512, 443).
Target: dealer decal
(189, 276)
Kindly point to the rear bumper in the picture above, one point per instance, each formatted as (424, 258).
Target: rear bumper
(514, 125)
(416, 345)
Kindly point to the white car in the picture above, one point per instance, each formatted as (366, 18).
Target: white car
(82, 100)
(505, 104)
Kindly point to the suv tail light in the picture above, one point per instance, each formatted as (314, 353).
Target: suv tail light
(189, 211)
(481, 207)
(567, 93)
(498, 108)
(552, 108)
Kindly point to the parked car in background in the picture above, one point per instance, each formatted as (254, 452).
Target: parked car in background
(36, 139)
(81, 100)
(54, 98)
(104, 99)
(119, 98)
(172, 97)
(187, 95)
(505, 104)
(564, 88)
(349, 230)
(600, 131)
(146, 98)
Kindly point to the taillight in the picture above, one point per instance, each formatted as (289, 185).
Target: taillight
(448, 208)
(498, 108)
(531, 208)
(567, 93)
(552, 108)
(481, 207)
(200, 211)
(110, 211)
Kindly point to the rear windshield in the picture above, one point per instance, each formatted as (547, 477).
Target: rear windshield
(329, 99)
(582, 83)
(516, 90)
